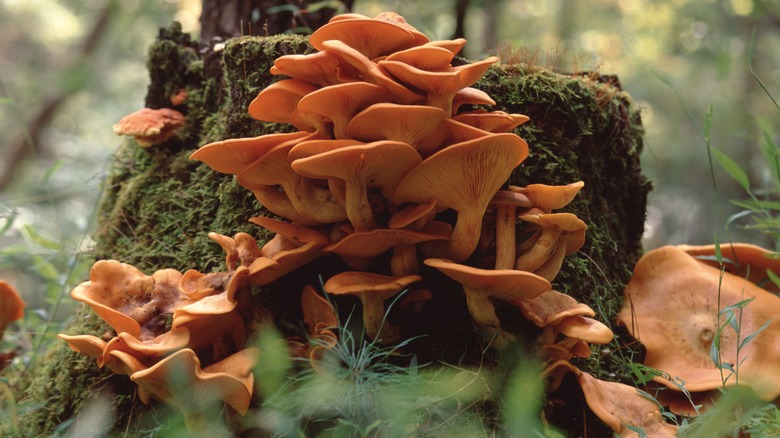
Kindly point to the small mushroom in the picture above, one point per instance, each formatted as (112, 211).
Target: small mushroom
(279, 101)
(372, 290)
(419, 126)
(439, 86)
(548, 198)
(379, 165)
(234, 155)
(482, 285)
(179, 381)
(370, 37)
(11, 306)
(493, 121)
(561, 234)
(150, 126)
(337, 104)
(464, 177)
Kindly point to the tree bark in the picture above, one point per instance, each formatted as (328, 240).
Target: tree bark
(220, 20)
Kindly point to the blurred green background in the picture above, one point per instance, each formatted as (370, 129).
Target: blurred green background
(70, 69)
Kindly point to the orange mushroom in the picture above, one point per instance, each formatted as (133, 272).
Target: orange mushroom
(506, 204)
(482, 285)
(619, 406)
(493, 121)
(668, 281)
(548, 198)
(370, 72)
(331, 108)
(379, 165)
(419, 126)
(234, 155)
(741, 259)
(128, 300)
(440, 86)
(279, 101)
(370, 37)
(464, 177)
(560, 234)
(11, 306)
(372, 290)
(320, 69)
(150, 126)
(179, 381)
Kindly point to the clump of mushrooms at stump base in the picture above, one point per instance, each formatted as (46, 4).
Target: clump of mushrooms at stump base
(432, 183)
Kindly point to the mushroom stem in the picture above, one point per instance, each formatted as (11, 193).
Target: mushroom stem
(358, 208)
(374, 318)
(484, 314)
(404, 261)
(540, 252)
(505, 236)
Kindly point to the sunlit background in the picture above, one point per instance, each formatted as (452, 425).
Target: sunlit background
(676, 58)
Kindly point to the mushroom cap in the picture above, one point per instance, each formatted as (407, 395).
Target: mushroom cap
(356, 282)
(278, 102)
(741, 259)
(375, 242)
(470, 96)
(413, 213)
(240, 250)
(127, 299)
(668, 281)
(493, 121)
(370, 37)
(179, 381)
(370, 72)
(398, 20)
(453, 46)
(318, 312)
(464, 177)
(234, 155)
(150, 126)
(145, 351)
(585, 329)
(550, 307)
(337, 104)
(306, 149)
(548, 198)
(501, 284)
(440, 86)
(426, 57)
(286, 260)
(619, 405)
(312, 203)
(380, 164)
(320, 69)
(11, 306)
(297, 233)
(422, 127)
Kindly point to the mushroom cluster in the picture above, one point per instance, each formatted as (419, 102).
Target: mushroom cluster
(391, 162)
(672, 279)
(166, 323)
(393, 171)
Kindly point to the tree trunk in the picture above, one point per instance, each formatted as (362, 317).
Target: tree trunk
(220, 20)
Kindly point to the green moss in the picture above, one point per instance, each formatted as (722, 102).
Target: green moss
(158, 205)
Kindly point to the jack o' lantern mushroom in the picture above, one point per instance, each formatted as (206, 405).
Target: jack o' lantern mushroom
(234, 155)
(127, 299)
(439, 86)
(619, 406)
(464, 177)
(668, 281)
(331, 108)
(370, 72)
(320, 69)
(279, 101)
(371, 37)
(11, 306)
(741, 259)
(150, 126)
(419, 126)
(313, 204)
(179, 381)
(380, 164)
(548, 198)
(372, 290)
(482, 285)
(560, 234)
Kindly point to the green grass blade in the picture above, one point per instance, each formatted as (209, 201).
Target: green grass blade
(733, 169)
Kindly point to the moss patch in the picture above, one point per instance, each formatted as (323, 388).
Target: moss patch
(158, 205)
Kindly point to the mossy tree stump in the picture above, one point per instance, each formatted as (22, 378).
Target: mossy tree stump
(158, 205)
